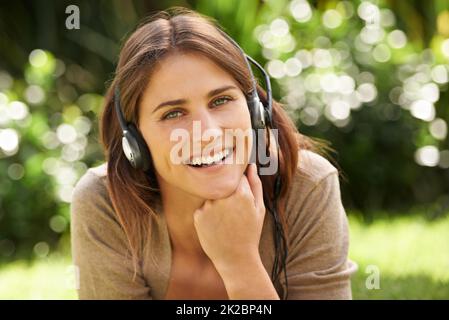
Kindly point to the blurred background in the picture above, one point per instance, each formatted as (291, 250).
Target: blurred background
(371, 77)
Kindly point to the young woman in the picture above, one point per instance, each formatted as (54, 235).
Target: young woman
(203, 228)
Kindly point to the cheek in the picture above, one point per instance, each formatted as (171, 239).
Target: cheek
(239, 117)
(241, 123)
(159, 145)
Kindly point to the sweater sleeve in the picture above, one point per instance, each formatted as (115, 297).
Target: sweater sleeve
(317, 265)
(100, 247)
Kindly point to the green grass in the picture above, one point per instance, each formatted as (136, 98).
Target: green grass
(50, 278)
(412, 255)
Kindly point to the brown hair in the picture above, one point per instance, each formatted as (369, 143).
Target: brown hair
(175, 30)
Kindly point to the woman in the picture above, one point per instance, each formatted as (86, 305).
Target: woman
(203, 228)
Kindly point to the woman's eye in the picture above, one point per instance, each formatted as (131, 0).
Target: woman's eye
(171, 115)
(222, 100)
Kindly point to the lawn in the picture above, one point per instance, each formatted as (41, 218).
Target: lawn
(410, 253)
(50, 278)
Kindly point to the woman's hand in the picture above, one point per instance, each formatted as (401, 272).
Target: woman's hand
(229, 229)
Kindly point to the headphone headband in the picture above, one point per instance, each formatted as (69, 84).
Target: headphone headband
(254, 98)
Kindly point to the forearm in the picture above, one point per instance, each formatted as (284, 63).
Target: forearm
(248, 280)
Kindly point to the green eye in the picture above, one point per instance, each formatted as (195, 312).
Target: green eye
(223, 100)
(171, 115)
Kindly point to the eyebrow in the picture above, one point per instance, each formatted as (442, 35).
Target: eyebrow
(182, 101)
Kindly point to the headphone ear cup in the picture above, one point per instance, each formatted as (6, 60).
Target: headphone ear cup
(142, 154)
(257, 112)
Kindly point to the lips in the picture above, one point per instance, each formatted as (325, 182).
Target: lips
(214, 166)
(202, 161)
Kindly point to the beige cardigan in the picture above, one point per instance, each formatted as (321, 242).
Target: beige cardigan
(317, 266)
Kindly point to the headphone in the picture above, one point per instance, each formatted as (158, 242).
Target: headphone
(137, 152)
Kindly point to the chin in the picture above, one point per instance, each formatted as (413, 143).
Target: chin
(218, 188)
(215, 193)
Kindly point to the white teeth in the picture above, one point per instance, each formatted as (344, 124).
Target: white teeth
(209, 160)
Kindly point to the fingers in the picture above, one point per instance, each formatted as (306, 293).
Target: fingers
(250, 187)
(198, 212)
(244, 188)
(256, 185)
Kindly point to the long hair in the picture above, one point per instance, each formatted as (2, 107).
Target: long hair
(180, 30)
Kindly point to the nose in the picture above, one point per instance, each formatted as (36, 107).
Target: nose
(206, 127)
(208, 120)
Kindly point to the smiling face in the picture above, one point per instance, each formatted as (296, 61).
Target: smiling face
(187, 92)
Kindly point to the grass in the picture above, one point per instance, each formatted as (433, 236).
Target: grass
(49, 278)
(411, 254)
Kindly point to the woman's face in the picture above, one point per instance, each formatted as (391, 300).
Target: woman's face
(189, 79)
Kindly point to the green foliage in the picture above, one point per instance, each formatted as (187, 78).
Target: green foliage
(369, 79)
(347, 73)
(44, 151)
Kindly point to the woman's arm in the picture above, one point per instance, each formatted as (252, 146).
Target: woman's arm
(318, 265)
(99, 246)
(248, 280)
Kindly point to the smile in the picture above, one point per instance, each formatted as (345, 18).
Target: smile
(218, 158)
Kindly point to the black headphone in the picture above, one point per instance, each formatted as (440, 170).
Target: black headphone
(138, 154)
